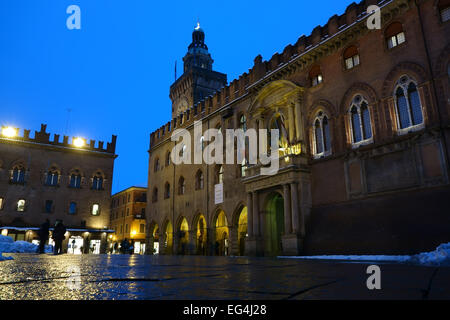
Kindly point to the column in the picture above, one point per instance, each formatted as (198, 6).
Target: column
(291, 123)
(287, 210)
(294, 207)
(256, 217)
(298, 122)
(249, 215)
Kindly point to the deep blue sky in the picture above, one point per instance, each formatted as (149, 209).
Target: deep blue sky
(116, 71)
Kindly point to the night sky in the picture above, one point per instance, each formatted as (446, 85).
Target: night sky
(115, 73)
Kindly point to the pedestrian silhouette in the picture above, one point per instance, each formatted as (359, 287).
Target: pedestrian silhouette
(58, 236)
(43, 235)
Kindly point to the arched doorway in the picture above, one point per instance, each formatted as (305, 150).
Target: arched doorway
(274, 225)
(242, 230)
(183, 236)
(168, 238)
(221, 244)
(155, 236)
(200, 236)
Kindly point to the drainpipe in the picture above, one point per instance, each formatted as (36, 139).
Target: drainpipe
(433, 84)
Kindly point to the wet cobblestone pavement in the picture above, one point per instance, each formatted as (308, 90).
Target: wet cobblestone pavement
(31, 276)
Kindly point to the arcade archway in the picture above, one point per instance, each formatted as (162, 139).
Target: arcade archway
(200, 235)
(222, 236)
(183, 236)
(242, 230)
(168, 238)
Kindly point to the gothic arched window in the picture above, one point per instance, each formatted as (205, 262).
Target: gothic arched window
(408, 105)
(199, 180)
(18, 174)
(167, 191)
(181, 186)
(321, 135)
(360, 124)
(155, 195)
(75, 179)
(97, 181)
(52, 177)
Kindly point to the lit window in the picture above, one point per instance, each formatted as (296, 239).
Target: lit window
(351, 57)
(21, 205)
(1, 203)
(72, 207)
(408, 105)
(360, 124)
(395, 35)
(321, 136)
(95, 209)
(315, 75)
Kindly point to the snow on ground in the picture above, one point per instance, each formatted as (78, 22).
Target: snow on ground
(438, 257)
(8, 245)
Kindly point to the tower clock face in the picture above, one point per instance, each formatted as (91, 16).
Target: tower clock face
(182, 105)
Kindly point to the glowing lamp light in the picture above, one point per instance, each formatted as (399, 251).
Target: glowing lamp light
(9, 132)
(78, 142)
(133, 233)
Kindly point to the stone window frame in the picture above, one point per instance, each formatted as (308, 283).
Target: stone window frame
(181, 185)
(99, 175)
(395, 31)
(403, 83)
(54, 170)
(320, 116)
(357, 105)
(199, 180)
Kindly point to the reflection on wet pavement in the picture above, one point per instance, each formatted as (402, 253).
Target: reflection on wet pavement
(31, 276)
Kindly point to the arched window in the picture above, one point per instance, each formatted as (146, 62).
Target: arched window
(21, 205)
(181, 186)
(360, 124)
(168, 161)
(243, 123)
(219, 174)
(199, 180)
(156, 168)
(167, 191)
(315, 76)
(18, 174)
(244, 167)
(95, 211)
(52, 177)
(444, 10)
(321, 135)
(97, 181)
(394, 35)
(351, 57)
(408, 105)
(155, 195)
(75, 179)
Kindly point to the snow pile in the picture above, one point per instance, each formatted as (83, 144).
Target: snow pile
(355, 257)
(438, 257)
(8, 245)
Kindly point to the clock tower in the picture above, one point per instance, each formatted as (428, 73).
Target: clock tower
(198, 80)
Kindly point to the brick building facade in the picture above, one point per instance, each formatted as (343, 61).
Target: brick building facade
(364, 157)
(42, 178)
(128, 218)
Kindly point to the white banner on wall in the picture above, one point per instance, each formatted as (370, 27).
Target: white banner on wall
(218, 193)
